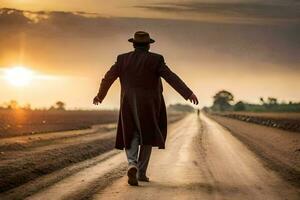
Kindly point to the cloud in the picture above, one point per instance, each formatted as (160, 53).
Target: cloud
(69, 40)
(12, 16)
(251, 11)
(54, 23)
(252, 59)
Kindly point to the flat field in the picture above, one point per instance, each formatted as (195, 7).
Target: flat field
(38, 143)
(20, 122)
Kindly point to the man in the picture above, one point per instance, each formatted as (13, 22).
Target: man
(142, 117)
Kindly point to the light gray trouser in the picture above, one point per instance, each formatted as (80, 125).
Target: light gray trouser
(141, 158)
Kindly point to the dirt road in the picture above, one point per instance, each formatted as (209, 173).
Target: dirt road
(202, 160)
(279, 149)
(203, 163)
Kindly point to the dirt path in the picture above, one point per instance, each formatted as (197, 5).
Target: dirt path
(24, 158)
(279, 149)
(202, 160)
(42, 139)
(203, 163)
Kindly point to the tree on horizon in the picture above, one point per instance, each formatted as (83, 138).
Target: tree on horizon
(222, 100)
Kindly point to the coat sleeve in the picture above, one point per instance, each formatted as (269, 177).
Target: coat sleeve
(111, 75)
(173, 79)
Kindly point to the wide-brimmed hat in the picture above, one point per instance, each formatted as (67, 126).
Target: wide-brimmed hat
(141, 37)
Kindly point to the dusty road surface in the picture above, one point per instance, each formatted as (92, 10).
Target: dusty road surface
(202, 160)
(279, 149)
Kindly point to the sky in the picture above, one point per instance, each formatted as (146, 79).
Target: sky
(248, 47)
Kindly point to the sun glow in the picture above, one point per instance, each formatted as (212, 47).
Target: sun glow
(19, 76)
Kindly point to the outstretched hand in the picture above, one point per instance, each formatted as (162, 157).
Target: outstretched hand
(96, 100)
(193, 99)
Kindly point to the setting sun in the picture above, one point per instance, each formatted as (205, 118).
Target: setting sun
(18, 76)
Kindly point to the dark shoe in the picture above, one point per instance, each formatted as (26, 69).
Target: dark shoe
(131, 173)
(143, 178)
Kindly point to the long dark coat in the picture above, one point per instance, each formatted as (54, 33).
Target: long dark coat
(142, 106)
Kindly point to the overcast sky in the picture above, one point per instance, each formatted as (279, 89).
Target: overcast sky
(250, 48)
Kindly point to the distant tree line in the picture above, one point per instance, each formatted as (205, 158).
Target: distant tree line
(224, 101)
(59, 105)
(14, 105)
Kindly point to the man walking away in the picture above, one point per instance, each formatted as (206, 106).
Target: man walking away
(142, 117)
